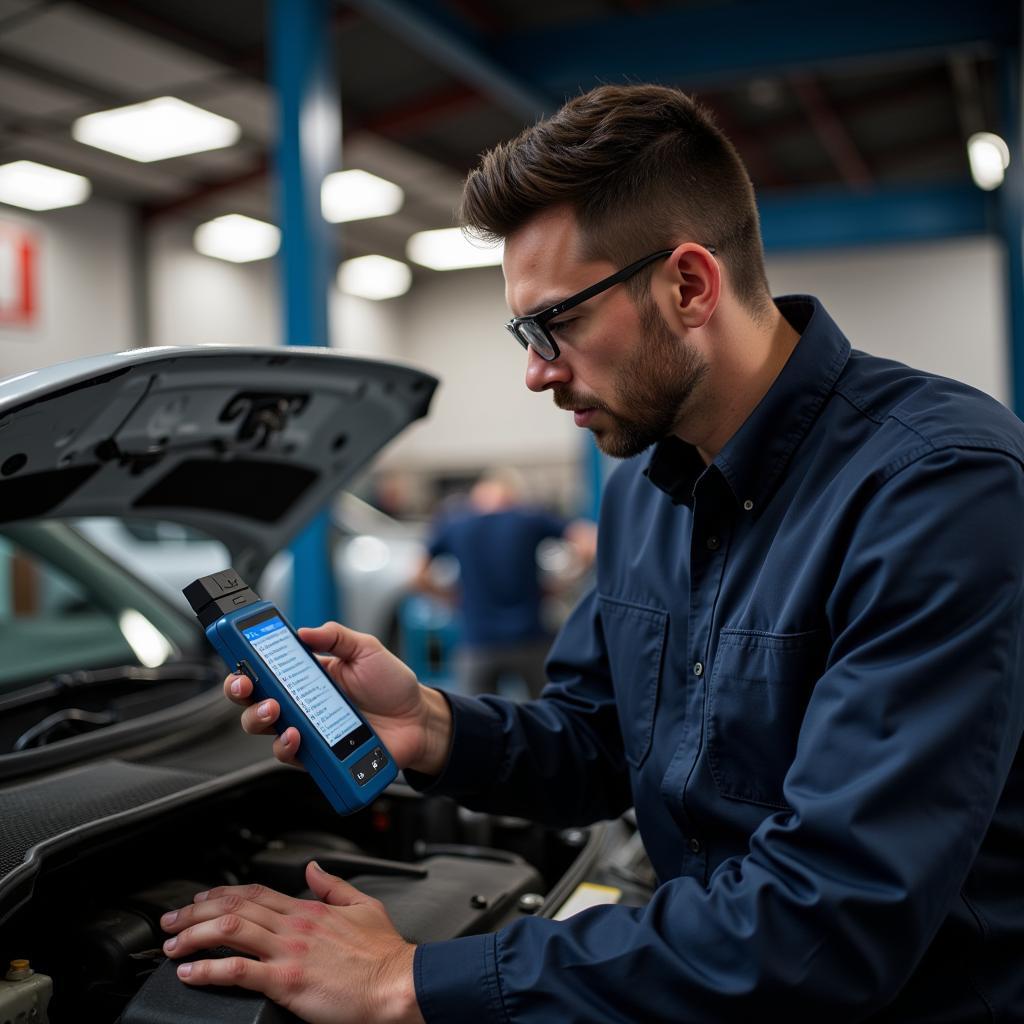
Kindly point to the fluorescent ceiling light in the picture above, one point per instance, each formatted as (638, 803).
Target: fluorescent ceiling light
(374, 277)
(35, 186)
(358, 195)
(156, 130)
(450, 249)
(237, 238)
(989, 156)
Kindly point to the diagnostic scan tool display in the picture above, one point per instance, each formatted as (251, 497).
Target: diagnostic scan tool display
(339, 749)
(285, 656)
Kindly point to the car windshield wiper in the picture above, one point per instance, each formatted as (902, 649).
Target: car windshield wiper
(83, 680)
(107, 695)
(63, 724)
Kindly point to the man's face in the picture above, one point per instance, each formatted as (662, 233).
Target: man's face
(651, 388)
(621, 370)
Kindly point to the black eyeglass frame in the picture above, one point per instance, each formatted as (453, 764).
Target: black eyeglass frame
(520, 326)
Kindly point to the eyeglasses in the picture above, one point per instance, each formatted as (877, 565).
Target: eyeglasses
(531, 331)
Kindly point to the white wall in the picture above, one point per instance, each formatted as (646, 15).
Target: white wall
(482, 414)
(85, 286)
(197, 300)
(937, 306)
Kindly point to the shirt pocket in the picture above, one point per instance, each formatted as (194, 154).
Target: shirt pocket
(757, 695)
(635, 638)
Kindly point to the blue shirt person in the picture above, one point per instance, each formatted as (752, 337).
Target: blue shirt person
(494, 537)
(802, 661)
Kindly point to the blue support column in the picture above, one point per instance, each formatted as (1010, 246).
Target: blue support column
(308, 148)
(1011, 219)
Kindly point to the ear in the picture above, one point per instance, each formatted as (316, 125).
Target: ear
(696, 280)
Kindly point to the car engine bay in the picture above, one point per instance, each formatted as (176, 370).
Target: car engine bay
(93, 856)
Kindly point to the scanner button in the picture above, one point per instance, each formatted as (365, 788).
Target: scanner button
(243, 668)
(368, 766)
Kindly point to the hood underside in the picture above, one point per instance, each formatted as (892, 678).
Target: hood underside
(244, 444)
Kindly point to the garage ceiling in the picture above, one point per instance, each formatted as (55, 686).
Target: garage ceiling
(860, 97)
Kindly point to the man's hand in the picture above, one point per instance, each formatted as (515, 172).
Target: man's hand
(330, 961)
(413, 721)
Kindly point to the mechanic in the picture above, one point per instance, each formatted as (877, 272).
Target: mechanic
(801, 660)
(494, 537)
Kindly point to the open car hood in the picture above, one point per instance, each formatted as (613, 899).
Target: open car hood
(245, 444)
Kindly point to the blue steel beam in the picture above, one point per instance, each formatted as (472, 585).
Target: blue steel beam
(457, 49)
(832, 218)
(308, 148)
(722, 42)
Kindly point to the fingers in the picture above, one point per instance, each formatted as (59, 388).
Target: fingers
(255, 893)
(331, 889)
(233, 904)
(286, 746)
(226, 930)
(238, 689)
(337, 640)
(231, 970)
(260, 718)
(256, 718)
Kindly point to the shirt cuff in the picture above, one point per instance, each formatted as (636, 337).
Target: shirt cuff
(476, 750)
(457, 981)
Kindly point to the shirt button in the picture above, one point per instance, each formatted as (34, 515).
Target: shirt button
(698, 669)
(711, 543)
(695, 846)
(748, 504)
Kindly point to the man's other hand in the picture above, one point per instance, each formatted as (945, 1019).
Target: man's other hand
(333, 960)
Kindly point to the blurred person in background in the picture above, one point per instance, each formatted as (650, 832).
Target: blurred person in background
(494, 536)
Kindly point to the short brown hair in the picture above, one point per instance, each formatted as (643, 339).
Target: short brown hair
(644, 167)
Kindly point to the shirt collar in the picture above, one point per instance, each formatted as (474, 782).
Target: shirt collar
(754, 460)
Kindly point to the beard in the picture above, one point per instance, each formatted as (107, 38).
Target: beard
(654, 385)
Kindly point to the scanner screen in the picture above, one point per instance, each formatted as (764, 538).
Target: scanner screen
(301, 676)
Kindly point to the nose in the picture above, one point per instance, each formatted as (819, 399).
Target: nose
(540, 374)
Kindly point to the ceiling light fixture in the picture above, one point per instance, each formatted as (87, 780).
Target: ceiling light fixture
(358, 195)
(237, 238)
(374, 277)
(35, 186)
(450, 249)
(989, 156)
(156, 130)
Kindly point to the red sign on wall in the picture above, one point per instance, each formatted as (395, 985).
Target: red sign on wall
(19, 253)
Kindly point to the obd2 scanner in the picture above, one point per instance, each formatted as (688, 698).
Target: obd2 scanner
(338, 749)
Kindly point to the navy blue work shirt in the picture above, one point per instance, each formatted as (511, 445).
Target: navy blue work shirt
(803, 664)
(499, 593)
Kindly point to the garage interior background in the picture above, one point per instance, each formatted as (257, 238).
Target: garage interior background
(852, 117)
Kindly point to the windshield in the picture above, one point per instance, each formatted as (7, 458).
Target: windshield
(64, 608)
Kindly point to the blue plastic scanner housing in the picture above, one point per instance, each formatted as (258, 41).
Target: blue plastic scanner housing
(338, 749)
